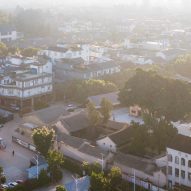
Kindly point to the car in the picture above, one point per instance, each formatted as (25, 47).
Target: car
(1, 125)
(12, 184)
(19, 181)
(4, 186)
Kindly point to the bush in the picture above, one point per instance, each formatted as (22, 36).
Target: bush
(44, 179)
(2, 179)
(72, 166)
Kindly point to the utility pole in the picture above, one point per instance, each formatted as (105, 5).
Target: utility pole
(37, 162)
(102, 161)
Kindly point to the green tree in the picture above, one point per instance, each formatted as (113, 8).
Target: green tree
(29, 52)
(160, 96)
(3, 49)
(93, 115)
(43, 139)
(106, 108)
(60, 188)
(44, 179)
(99, 182)
(55, 162)
(115, 177)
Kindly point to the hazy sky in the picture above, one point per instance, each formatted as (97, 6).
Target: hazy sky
(36, 3)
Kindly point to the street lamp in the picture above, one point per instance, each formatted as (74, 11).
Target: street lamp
(37, 162)
(102, 155)
(76, 182)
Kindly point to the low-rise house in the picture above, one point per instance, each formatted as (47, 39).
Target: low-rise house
(81, 150)
(72, 123)
(179, 162)
(143, 172)
(115, 140)
(112, 97)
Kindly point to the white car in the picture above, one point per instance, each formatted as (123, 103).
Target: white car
(12, 184)
(4, 186)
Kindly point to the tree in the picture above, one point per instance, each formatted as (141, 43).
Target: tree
(99, 182)
(29, 52)
(55, 162)
(93, 115)
(3, 49)
(2, 176)
(60, 188)
(115, 177)
(44, 179)
(43, 139)
(106, 108)
(160, 96)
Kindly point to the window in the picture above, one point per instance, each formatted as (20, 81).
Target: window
(189, 163)
(189, 176)
(169, 156)
(182, 161)
(177, 160)
(169, 170)
(176, 172)
(183, 174)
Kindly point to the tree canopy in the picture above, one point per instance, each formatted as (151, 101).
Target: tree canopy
(106, 108)
(160, 96)
(79, 90)
(55, 162)
(43, 138)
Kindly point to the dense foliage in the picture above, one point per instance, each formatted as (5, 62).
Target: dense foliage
(182, 65)
(55, 162)
(158, 95)
(151, 137)
(79, 90)
(43, 139)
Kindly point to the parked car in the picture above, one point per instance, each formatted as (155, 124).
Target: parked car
(4, 186)
(12, 184)
(19, 181)
(14, 107)
(1, 125)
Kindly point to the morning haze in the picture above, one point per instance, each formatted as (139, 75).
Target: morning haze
(95, 95)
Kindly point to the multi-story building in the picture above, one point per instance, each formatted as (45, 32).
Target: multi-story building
(8, 34)
(25, 82)
(179, 163)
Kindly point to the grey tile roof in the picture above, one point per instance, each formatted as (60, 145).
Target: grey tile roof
(75, 122)
(136, 163)
(93, 151)
(181, 143)
(122, 137)
(70, 140)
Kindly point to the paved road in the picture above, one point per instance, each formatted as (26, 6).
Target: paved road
(14, 166)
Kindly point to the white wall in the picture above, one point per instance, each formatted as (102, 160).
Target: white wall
(106, 144)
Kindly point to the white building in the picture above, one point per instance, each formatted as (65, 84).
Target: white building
(23, 82)
(113, 141)
(179, 162)
(140, 171)
(8, 34)
(80, 150)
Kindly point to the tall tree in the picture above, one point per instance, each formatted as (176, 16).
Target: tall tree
(115, 177)
(93, 115)
(106, 108)
(158, 95)
(43, 139)
(3, 49)
(55, 162)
